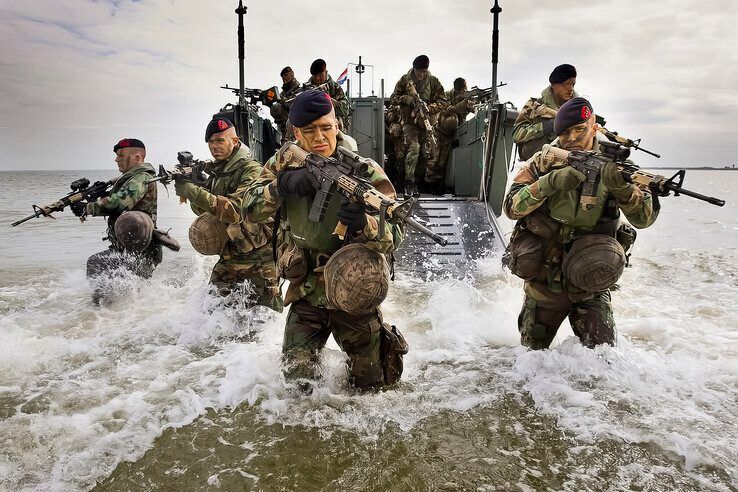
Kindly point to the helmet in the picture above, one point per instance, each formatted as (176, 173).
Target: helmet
(208, 235)
(449, 122)
(356, 279)
(133, 230)
(594, 263)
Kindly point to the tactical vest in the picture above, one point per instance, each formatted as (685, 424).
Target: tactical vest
(225, 180)
(315, 236)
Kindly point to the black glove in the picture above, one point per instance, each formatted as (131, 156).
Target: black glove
(300, 182)
(352, 215)
(102, 191)
(79, 208)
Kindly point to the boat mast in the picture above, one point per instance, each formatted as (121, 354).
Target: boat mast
(241, 11)
(495, 46)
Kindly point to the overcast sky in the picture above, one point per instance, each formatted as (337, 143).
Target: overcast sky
(78, 75)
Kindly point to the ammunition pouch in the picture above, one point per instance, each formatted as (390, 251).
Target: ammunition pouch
(248, 236)
(524, 255)
(392, 347)
(291, 262)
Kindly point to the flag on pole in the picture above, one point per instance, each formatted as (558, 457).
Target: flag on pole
(342, 78)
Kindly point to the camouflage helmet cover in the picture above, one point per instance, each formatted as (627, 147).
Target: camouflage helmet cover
(208, 235)
(133, 230)
(594, 263)
(448, 123)
(356, 279)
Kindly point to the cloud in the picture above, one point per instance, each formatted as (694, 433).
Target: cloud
(78, 75)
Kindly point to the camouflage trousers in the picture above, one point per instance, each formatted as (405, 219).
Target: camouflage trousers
(437, 172)
(415, 140)
(256, 267)
(544, 311)
(307, 331)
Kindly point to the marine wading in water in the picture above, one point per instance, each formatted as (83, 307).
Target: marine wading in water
(286, 219)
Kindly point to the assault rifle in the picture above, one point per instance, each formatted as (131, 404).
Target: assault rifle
(188, 169)
(267, 97)
(625, 142)
(81, 190)
(422, 110)
(480, 96)
(305, 87)
(591, 163)
(347, 172)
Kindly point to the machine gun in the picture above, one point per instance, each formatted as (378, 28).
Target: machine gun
(305, 87)
(625, 142)
(81, 190)
(422, 110)
(591, 163)
(347, 172)
(267, 96)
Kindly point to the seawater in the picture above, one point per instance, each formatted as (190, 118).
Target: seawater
(166, 387)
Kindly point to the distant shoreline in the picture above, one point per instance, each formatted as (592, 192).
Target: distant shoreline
(700, 168)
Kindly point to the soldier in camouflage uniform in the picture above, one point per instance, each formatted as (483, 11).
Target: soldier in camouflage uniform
(307, 246)
(416, 137)
(534, 125)
(394, 147)
(129, 192)
(461, 104)
(247, 254)
(545, 199)
(280, 109)
(318, 76)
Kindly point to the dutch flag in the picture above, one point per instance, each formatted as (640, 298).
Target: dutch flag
(342, 78)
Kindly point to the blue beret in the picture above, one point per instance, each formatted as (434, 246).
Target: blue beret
(572, 112)
(562, 73)
(128, 142)
(217, 124)
(308, 106)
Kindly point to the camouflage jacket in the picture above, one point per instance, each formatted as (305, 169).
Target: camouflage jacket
(529, 123)
(564, 208)
(316, 242)
(129, 192)
(340, 101)
(430, 91)
(223, 195)
(288, 90)
(458, 104)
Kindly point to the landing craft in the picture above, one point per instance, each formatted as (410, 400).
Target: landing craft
(476, 174)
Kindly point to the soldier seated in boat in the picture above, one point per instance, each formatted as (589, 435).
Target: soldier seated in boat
(570, 255)
(534, 125)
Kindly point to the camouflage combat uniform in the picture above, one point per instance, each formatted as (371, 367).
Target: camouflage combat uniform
(248, 254)
(414, 134)
(549, 299)
(338, 97)
(459, 105)
(528, 133)
(393, 144)
(306, 247)
(129, 192)
(280, 110)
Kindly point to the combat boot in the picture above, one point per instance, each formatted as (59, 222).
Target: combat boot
(437, 188)
(411, 190)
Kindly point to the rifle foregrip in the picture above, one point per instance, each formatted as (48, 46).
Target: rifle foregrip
(320, 205)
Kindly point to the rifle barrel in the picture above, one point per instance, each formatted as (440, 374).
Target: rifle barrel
(421, 228)
(699, 196)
